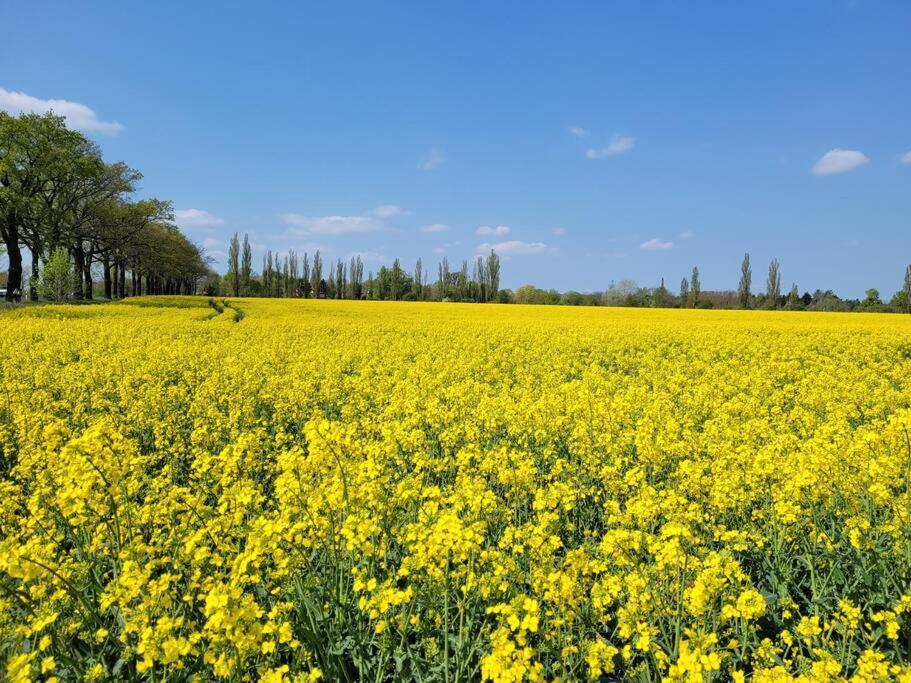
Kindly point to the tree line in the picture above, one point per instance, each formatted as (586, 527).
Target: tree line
(293, 275)
(76, 215)
(691, 295)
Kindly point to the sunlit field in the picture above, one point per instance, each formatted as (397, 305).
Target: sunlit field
(294, 490)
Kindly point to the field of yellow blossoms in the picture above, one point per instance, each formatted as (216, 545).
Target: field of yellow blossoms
(260, 490)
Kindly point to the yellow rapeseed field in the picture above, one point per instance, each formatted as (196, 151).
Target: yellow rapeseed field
(439, 492)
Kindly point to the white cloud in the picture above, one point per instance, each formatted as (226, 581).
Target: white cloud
(432, 160)
(389, 211)
(211, 242)
(77, 115)
(905, 158)
(330, 225)
(656, 243)
(435, 227)
(196, 218)
(439, 250)
(488, 230)
(559, 231)
(618, 145)
(839, 161)
(514, 247)
(687, 234)
(578, 131)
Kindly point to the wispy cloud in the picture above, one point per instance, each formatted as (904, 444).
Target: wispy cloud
(488, 230)
(559, 231)
(330, 225)
(192, 218)
(514, 247)
(369, 221)
(432, 160)
(618, 145)
(388, 211)
(905, 158)
(687, 234)
(435, 227)
(77, 115)
(578, 131)
(839, 161)
(656, 243)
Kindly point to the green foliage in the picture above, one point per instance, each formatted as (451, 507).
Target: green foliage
(57, 279)
(695, 288)
(746, 278)
(773, 285)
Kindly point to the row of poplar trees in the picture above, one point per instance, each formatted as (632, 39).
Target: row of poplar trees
(291, 275)
(774, 299)
(58, 194)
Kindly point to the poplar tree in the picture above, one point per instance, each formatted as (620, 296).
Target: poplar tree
(480, 280)
(463, 280)
(316, 274)
(418, 280)
(684, 293)
(234, 266)
(694, 288)
(746, 279)
(246, 267)
(493, 275)
(305, 275)
(340, 279)
(773, 285)
(907, 289)
(293, 276)
(444, 279)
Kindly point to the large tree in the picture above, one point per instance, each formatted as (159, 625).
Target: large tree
(493, 275)
(773, 285)
(746, 278)
(234, 266)
(695, 288)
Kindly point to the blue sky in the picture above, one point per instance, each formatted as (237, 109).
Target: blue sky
(593, 141)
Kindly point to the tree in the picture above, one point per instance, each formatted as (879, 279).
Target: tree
(684, 293)
(341, 279)
(493, 275)
(418, 280)
(305, 276)
(695, 289)
(246, 267)
(234, 266)
(906, 290)
(746, 278)
(620, 293)
(773, 285)
(356, 277)
(661, 298)
(871, 301)
(316, 274)
(34, 152)
(443, 279)
(56, 279)
(794, 302)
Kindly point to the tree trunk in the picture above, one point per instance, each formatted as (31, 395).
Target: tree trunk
(32, 289)
(14, 256)
(79, 260)
(122, 281)
(106, 266)
(87, 277)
